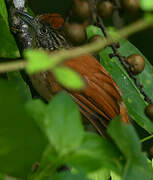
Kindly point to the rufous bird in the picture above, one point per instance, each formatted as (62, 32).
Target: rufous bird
(101, 100)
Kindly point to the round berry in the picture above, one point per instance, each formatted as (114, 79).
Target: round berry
(136, 62)
(81, 9)
(131, 5)
(75, 33)
(105, 8)
(149, 111)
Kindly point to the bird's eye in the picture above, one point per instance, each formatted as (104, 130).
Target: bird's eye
(43, 31)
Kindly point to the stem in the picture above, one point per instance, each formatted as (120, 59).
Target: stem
(124, 63)
(62, 55)
(12, 66)
(146, 138)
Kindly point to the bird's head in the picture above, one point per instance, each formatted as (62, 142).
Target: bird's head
(43, 34)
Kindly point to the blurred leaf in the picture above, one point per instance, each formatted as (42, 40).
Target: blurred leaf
(50, 158)
(19, 85)
(68, 78)
(68, 176)
(8, 47)
(100, 174)
(125, 137)
(61, 122)
(146, 5)
(95, 152)
(115, 176)
(38, 60)
(64, 128)
(137, 170)
(92, 30)
(149, 17)
(39, 113)
(133, 99)
(128, 142)
(2, 176)
(21, 140)
(112, 31)
(3, 11)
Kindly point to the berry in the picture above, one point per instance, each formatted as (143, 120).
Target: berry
(81, 9)
(149, 111)
(136, 62)
(95, 38)
(105, 8)
(131, 5)
(75, 33)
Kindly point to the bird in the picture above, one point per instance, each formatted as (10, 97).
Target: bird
(101, 99)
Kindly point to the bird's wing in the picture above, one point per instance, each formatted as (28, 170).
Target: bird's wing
(101, 100)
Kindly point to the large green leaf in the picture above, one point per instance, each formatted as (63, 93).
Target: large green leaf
(60, 121)
(95, 152)
(68, 176)
(3, 11)
(100, 174)
(19, 85)
(128, 142)
(21, 140)
(8, 47)
(133, 99)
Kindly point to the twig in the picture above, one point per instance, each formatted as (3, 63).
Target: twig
(146, 138)
(123, 62)
(12, 66)
(62, 55)
(117, 17)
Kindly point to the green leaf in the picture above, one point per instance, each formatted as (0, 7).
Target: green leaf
(68, 78)
(8, 47)
(115, 176)
(21, 141)
(128, 142)
(39, 113)
(94, 153)
(68, 176)
(21, 87)
(61, 122)
(133, 99)
(146, 5)
(125, 137)
(38, 60)
(3, 11)
(137, 170)
(2, 176)
(92, 30)
(100, 174)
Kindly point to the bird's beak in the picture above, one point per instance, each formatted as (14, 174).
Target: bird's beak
(26, 18)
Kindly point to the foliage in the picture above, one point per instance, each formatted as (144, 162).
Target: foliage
(52, 134)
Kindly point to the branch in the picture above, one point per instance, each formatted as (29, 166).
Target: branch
(125, 64)
(62, 55)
